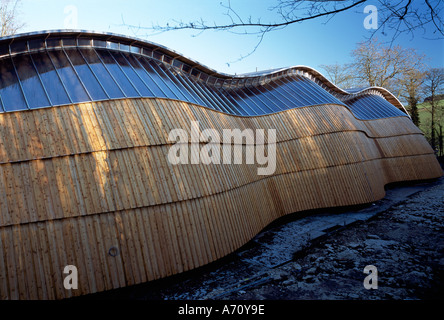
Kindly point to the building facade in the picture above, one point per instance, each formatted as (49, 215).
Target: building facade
(86, 179)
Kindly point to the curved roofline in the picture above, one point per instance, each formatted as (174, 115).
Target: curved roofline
(108, 36)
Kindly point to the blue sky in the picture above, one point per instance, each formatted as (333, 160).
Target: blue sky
(311, 43)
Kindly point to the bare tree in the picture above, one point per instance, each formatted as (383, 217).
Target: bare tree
(8, 17)
(385, 66)
(401, 70)
(395, 17)
(340, 75)
(410, 85)
(433, 87)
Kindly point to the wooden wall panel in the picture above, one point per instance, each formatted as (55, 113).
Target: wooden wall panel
(90, 185)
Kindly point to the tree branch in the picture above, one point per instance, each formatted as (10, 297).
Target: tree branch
(202, 26)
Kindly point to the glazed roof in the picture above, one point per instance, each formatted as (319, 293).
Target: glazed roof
(37, 68)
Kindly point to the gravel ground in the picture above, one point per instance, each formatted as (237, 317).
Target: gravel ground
(405, 243)
(404, 240)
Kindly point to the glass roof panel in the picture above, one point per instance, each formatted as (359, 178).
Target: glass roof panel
(62, 68)
(50, 79)
(68, 76)
(133, 77)
(10, 91)
(154, 88)
(118, 74)
(105, 78)
(156, 78)
(86, 75)
(32, 86)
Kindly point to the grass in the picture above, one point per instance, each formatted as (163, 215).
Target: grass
(425, 117)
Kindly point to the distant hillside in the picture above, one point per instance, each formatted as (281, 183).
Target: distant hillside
(425, 117)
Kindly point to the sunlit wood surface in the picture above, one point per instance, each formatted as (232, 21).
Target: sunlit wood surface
(90, 185)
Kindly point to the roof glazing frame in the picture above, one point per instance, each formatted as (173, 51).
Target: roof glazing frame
(165, 60)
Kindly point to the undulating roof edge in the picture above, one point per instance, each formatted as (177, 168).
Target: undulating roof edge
(133, 41)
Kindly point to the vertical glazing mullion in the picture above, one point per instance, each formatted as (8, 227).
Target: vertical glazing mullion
(215, 92)
(329, 97)
(314, 99)
(298, 89)
(109, 72)
(177, 79)
(381, 106)
(246, 110)
(161, 68)
(40, 79)
(173, 80)
(138, 76)
(146, 71)
(257, 98)
(154, 66)
(251, 102)
(272, 92)
(362, 109)
(94, 74)
(58, 75)
(2, 109)
(282, 86)
(226, 102)
(234, 104)
(213, 104)
(209, 98)
(285, 84)
(215, 98)
(396, 111)
(266, 93)
(191, 90)
(378, 108)
(319, 92)
(365, 111)
(353, 107)
(20, 83)
(285, 92)
(387, 110)
(365, 107)
(305, 93)
(375, 107)
(198, 92)
(124, 73)
(78, 77)
(245, 104)
(286, 102)
(229, 101)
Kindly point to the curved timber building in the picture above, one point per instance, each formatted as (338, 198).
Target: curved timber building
(85, 174)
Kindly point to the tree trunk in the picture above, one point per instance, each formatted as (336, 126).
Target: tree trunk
(433, 129)
(440, 141)
(414, 110)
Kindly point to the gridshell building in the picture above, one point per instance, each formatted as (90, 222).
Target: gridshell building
(85, 178)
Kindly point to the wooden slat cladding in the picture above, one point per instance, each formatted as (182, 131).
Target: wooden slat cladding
(77, 129)
(101, 182)
(90, 185)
